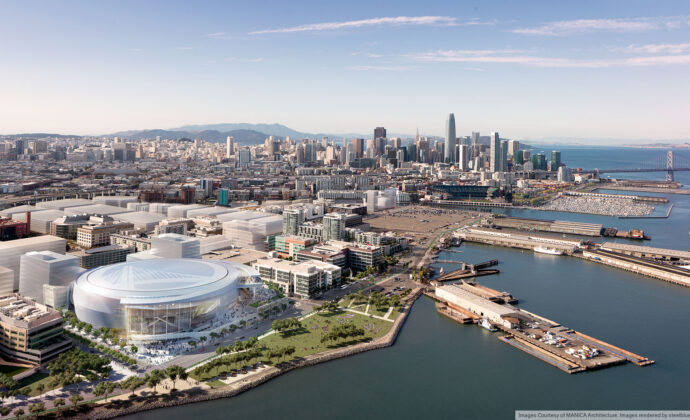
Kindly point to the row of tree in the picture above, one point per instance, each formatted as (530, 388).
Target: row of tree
(343, 331)
(286, 324)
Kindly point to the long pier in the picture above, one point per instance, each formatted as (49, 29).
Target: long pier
(592, 252)
(549, 341)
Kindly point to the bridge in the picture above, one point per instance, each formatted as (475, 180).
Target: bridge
(669, 163)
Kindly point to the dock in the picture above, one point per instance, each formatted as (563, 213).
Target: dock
(659, 263)
(559, 346)
(462, 274)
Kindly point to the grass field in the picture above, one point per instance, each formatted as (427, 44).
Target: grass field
(12, 370)
(308, 340)
(33, 381)
(216, 384)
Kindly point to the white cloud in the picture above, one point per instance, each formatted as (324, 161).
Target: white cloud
(391, 21)
(658, 48)
(379, 68)
(569, 27)
(514, 57)
(184, 48)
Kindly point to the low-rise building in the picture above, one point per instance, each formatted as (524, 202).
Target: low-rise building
(303, 279)
(90, 236)
(30, 332)
(105, 255)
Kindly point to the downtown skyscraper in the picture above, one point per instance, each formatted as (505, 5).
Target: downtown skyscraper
(449, 146)
(495, 152)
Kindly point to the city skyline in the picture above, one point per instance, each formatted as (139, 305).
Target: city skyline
(499, 67)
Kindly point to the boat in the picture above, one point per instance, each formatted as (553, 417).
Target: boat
(484, 323)
(545, 250)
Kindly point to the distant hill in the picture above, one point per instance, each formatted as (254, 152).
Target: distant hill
(38, 136)
(246, 137)
(277, 130)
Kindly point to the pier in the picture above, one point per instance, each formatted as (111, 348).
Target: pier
(551, 342)
(659, 263)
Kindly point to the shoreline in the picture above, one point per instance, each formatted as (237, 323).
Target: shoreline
(195, 396)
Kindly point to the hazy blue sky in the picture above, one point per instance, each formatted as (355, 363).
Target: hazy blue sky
(527, 69)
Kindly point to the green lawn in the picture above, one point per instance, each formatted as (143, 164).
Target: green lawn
(374, 311)
(12, 370)
(216, 384)
(308, 340)
(33, 382)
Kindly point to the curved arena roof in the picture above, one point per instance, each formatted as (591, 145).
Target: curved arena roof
(161, 280)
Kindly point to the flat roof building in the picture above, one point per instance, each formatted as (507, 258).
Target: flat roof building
(29, 331)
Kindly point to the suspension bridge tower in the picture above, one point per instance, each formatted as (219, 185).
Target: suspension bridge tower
(669, 166)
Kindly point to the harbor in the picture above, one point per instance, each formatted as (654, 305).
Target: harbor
(562, 347)
(664, 264)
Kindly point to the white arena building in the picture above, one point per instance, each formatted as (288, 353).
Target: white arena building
(163, 299)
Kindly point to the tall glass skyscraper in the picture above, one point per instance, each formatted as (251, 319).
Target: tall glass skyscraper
(495, 153)
(449, 146)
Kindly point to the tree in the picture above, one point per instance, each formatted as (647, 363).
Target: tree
(59, 403)
(214, 335)
(36, 408)
(192, 343)
(243, 323)
(40, 387)
(75, 399)
(18, 412)
(5, 411)
(104, 388)
(154, 378)
(132, 383)
(203, 338)
(223, 331)
(134, 349)
(174, 372)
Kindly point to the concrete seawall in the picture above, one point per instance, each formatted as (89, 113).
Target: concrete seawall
(150, 403)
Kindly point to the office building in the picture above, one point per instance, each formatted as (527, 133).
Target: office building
(379, 132)
(11, 251)
(555, 160)
(334, 226)
(463, 157)
(229, 147)
(39, 268)
(494, 153)
(292, 219)
(91, 236)
(451, 140)
(105, 255)
(30, 332)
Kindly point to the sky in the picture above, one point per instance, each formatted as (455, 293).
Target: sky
(527, 69)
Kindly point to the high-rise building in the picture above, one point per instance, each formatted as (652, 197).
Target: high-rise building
(358, 146)
(504, 156)
(230, 147)
(449, 145)
(513, 148)
(539, 162)
(463, 157)
(555, 160)
(245, 157)
(518, 157)
(292, 219)
(379, 132)
(334, 226)
(495, 152)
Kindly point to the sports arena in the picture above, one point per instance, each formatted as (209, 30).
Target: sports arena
(161, 299)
